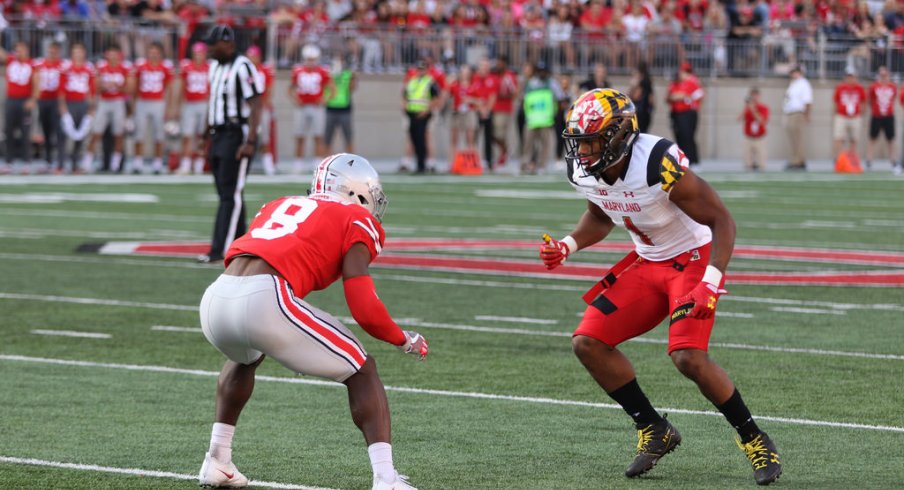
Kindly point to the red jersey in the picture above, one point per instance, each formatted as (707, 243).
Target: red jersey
(461, 90)
(152, 79)
(488, 86)
(505, 95)
(77, 81)
(848, 99)
(693, 94)
(306, 238)
(752, 127)
(309, 82)
(195, 84)
(113, 80)
(18, 77)
(268, 73)
(48, 73)
(882, 98)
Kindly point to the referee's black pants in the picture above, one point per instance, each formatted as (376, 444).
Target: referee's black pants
(229, 176)
(684, 124)
(417, 130)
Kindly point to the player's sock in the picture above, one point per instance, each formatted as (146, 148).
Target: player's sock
(221, 442)
(157, 165)
(87, 162)
(185, 165)
(115, 161)
(199, 165)
(381, 461)
(269, 165)
(738, 415)
(636, 404)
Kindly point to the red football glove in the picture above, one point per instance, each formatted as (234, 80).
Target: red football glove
(553, 252)
(704, 297)
(416, 344)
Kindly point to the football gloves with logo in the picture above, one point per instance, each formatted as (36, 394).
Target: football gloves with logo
(416, 344)
(553, 252)
(704, 297)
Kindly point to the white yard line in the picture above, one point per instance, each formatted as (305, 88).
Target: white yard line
(140, 472)
(171, 328)
(447, 393)
(95, 301)
(72, 333)
(449, 326)
(807, 311)
(515, 319)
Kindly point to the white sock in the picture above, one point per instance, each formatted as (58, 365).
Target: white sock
(199, 165)
(221, 442)
(269, 166)
(185, 165)
(381, 461)
(299, 165)
(157, 165)
(115, 162)
(86, 163)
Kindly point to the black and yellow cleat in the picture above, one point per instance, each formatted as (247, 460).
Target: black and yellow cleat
(763, 455)
(653, 442)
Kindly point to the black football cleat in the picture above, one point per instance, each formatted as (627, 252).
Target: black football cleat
(763, 455)
(653, 442)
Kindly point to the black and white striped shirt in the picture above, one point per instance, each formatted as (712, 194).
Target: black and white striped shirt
(231, 85)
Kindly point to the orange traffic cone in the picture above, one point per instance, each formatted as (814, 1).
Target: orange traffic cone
(848, 163)
(466, 162)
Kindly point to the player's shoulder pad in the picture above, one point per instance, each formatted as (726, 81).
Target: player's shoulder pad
(664, 165)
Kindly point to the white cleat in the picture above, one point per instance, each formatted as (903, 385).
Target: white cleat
(218, 475)
(400, 483)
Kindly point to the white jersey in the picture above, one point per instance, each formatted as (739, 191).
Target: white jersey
(639, 200)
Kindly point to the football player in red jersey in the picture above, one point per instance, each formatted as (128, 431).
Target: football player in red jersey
(683, 239)
(256, 308)
(152, 82)
(311, 85)
(882, 95)
(19, 103)
(113, 77)
(195, 91)
(47, 92)
(77, 101)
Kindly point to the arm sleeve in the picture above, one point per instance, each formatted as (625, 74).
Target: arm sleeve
(367, 309)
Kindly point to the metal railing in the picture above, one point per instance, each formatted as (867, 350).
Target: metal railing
(391, 50)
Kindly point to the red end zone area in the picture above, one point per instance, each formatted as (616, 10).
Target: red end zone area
(415, 254)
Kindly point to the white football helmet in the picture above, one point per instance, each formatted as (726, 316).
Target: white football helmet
(310, 52)
(352, 179)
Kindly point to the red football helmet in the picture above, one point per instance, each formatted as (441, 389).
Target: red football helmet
(606, 119)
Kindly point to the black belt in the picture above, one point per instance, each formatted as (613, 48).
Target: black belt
(228, 127)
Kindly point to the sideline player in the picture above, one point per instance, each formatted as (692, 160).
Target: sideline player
(683, 237)
(76, 104)
(47, 92)
(18, 106)
(152, 77)
(256, 308)
(193, 111)
(882, 95)
(311, 86)
(113, 75)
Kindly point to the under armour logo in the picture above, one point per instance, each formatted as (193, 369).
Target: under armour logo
(629, 194)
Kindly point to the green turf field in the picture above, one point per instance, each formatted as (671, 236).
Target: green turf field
(501, 402)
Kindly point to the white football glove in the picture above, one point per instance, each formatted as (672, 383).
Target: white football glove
(416, 344)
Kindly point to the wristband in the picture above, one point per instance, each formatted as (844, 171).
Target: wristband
(570, 242)
(713, 276)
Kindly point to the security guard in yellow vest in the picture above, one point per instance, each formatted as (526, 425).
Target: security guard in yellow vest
(420, 98)
(542, 95)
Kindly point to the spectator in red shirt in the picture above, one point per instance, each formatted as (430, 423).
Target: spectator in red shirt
(882, 94)
(464, 94)
(685, 95)
(849, 98)
(488, 86)
(504, 106)
(755, 117)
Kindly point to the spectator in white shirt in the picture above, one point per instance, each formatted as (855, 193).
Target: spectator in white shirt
(798, 99)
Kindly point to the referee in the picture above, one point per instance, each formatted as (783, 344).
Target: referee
(233, 116)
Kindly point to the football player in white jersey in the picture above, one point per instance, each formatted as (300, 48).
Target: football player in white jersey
(683, 236)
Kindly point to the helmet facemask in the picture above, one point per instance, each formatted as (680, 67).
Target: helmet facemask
(606, 148)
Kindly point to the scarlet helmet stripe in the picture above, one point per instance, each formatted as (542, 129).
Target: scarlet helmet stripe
(321, 173)
(324, 333)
